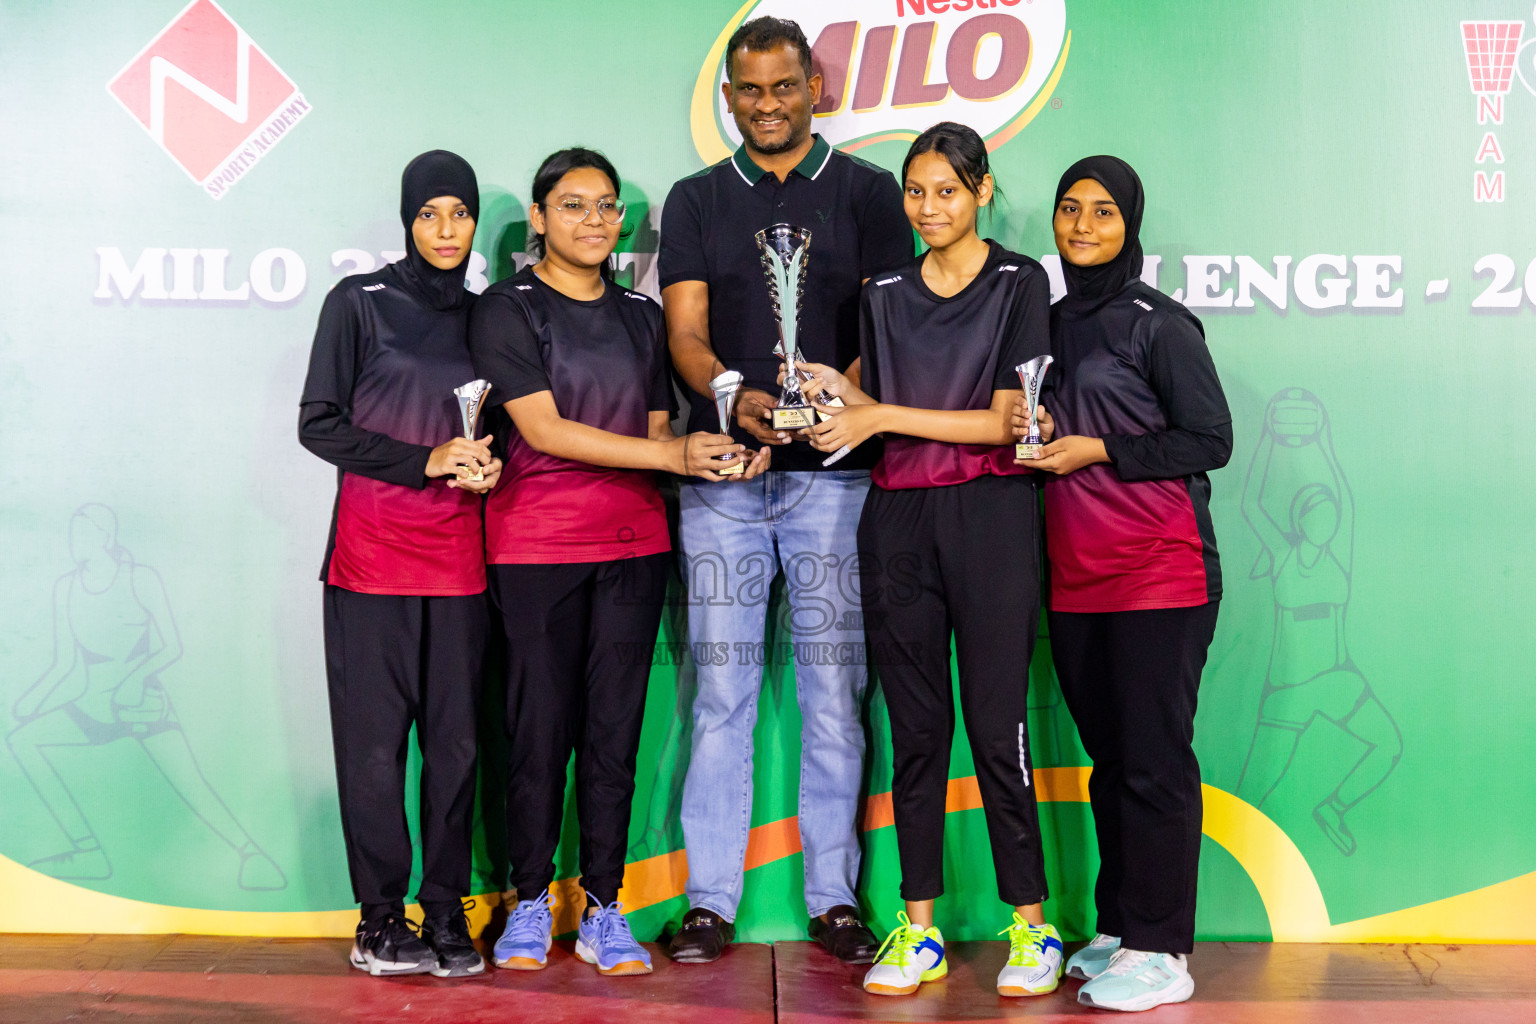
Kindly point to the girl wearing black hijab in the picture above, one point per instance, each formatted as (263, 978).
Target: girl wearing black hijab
(405, 616)
(1139, 419)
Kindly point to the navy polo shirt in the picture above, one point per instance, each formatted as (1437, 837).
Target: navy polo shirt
(853, 210)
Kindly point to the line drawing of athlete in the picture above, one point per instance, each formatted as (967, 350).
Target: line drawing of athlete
(1310, 672)
(113, 634)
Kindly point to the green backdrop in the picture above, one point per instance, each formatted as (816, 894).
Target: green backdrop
(1373, 522)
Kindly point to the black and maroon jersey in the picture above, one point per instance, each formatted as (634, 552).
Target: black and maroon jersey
(926, 351)
(1135, 532)
(605, 363)
(377, 400)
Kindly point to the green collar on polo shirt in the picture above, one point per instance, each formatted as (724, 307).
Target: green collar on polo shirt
(808, 167)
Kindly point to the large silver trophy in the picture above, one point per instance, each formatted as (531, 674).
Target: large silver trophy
(1031, 376)
(726, 387)
(784, 248)
(471, 398)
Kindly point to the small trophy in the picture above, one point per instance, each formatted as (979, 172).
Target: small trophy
(783, 249)
(726, 387)
(1031, 375)
(471, 398)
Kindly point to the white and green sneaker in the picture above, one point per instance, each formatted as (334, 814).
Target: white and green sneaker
(1089, 962)
(908, 957)
(1034, 959)
(1137, 980)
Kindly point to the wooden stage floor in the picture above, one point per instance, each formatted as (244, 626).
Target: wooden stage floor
(180, 979)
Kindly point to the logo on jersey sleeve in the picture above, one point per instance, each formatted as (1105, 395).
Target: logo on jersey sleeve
(891, 68)
(209, 96)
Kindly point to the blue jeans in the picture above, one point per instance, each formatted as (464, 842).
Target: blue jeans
(735, 537)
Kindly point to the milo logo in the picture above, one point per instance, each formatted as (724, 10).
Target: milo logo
(891, 68)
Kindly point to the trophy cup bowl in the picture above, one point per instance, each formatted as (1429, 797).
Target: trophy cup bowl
(1031, 376)
(471, 398)
(784, 249)
(726, 387)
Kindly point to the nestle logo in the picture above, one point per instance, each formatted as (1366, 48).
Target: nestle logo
(209, 96)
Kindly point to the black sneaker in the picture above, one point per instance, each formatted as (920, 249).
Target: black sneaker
(446, 931)
(390, 946)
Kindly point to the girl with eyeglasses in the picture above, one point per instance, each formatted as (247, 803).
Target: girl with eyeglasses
(578, 544)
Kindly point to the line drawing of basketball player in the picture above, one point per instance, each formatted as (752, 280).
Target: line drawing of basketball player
(113, 634)
(1311, 673)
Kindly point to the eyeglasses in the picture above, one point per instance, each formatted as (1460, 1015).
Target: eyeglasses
(574, 211)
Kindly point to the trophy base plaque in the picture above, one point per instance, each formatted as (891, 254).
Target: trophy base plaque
(793, 418)
(732, 467)
(477, 477)
(1026, 452)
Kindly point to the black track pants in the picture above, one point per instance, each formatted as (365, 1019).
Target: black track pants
(1131, 680)
(962, 558)
(579, 643)
(392, 661)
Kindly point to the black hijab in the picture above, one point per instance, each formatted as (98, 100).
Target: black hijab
(1088, 288)
(434, 174)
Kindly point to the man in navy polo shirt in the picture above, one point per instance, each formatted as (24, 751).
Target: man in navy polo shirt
(799, 517)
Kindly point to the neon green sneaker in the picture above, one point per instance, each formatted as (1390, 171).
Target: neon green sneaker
(1034, 959)
(908, 957)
